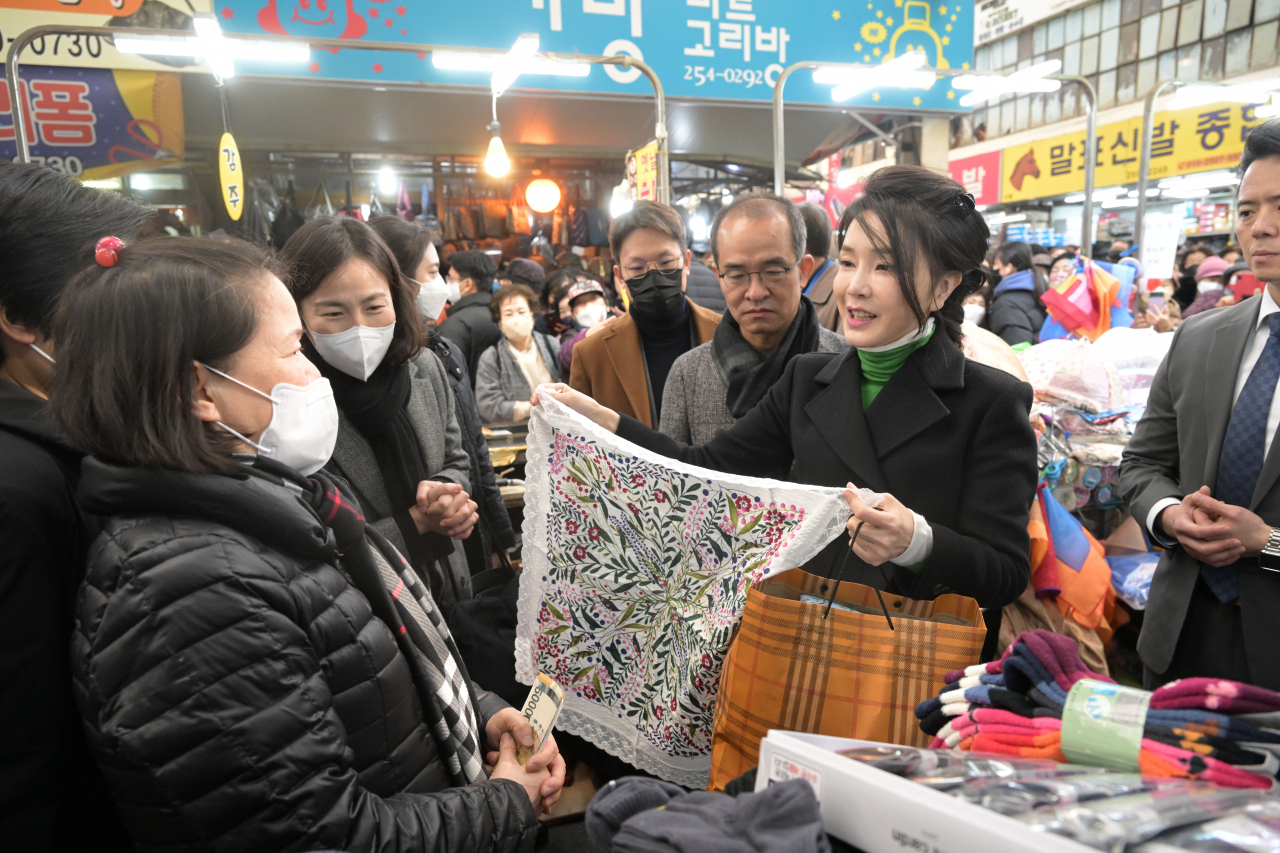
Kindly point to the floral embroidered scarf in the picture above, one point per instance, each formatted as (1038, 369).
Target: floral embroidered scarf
(636, 569)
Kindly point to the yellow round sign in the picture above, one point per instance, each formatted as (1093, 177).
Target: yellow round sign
(231, 174)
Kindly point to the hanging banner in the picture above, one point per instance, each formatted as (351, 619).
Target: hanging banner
(231, 176)
(980, 176)
(93, 123)
(75, 51)
(642, 172)
(997, 18)
(1197, 139)
(723, 49)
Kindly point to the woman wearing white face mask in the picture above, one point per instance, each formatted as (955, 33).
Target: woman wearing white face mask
(235, 607)
(399, 444)
(510, 369)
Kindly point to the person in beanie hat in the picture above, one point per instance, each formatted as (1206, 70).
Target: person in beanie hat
(1209, 285)
(526, 272)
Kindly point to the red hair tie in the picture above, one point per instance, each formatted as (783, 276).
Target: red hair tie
(105, 253)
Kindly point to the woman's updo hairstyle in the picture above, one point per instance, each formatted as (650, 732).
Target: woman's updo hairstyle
(923, 214)
(128, 336)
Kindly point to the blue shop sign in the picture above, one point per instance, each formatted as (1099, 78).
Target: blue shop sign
(721, 49)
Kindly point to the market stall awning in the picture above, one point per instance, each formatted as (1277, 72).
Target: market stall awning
(272, 113)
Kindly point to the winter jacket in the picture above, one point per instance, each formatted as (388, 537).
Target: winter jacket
(496, 530)
(704, 288)
(52, 796)
(500, 383)
(1016, 313)
(470, 327)
(240, 695)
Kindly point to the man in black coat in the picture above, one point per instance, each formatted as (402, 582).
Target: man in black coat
(468, 323)
(52, 796)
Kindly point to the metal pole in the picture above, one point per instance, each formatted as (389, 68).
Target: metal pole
(1091, 161)
(20, 43)
(779, 132)
(1144, 161)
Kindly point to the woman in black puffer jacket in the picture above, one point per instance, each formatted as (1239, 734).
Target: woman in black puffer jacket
(256, 668)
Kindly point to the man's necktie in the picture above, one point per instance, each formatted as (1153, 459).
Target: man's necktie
(1244, 448)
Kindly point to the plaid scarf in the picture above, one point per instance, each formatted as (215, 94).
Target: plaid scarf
(748, 373)
(400, 600)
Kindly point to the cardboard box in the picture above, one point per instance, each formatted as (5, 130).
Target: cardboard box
(878, 812)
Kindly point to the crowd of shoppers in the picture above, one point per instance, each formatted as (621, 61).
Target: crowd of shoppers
(245, 497)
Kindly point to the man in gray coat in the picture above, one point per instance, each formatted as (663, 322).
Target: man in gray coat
(759, 246)
(1202, 473)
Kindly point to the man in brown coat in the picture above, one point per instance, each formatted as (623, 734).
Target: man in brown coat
(625, 365)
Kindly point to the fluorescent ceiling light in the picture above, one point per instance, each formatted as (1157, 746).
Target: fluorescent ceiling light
(1001, 218)
(1188, 192)
(1220, 178)
(984, 87)
(211, 45)
(1150, 193)
(899, 72)
(1268, 110)
(1254, 92)
(506, 67)
(1119, 202)
(1105, 194)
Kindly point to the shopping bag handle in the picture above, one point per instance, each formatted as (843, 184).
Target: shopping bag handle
(840, 576)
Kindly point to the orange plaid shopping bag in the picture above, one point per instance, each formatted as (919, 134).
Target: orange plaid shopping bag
(848, 675)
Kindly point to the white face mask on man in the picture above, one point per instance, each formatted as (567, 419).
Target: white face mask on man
(356, 352)
(304, 424)
(432, 296)
(592, 315)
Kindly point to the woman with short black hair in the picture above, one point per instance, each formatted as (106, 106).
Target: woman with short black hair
(257, 668)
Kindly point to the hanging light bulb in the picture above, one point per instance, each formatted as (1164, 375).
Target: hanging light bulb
(496, 162)
(543, 195)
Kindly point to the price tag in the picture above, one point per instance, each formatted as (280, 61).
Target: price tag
(1102, 724)
(231, 175)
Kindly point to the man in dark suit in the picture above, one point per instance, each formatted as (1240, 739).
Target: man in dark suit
(1202, 474)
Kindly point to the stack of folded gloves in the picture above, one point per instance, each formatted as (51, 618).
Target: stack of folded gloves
(1013, 706)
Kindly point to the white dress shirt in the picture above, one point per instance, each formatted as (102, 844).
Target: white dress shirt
(1262, 331)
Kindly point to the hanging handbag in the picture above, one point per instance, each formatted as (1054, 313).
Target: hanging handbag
(314, 208)
(404, 207)
(375, 204)
(494, 212)
(520, 217)
(846, 675)
(288, 218)
(349, 209)
(579, 231)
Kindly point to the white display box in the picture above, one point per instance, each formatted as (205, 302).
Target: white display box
(879, 812)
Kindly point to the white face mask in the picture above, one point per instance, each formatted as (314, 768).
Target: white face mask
(455, 292)
(591, 315)
(431, 298)
(304, 424)
(43, 354)
(974, 313)
(356, 352)
(517, 327)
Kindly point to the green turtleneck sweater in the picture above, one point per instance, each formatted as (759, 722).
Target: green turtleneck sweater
(878, 367)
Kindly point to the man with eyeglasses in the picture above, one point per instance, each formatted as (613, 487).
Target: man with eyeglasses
(759, 246)
(625, 366)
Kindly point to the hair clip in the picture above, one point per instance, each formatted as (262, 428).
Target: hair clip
(106, 252)
(965, 202)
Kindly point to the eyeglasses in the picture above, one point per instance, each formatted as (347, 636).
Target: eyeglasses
(636, 270)
(772, 275)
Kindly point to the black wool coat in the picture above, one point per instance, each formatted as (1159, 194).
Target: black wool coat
(946, 436)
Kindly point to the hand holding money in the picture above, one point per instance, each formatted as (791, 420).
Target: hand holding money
(542, 774)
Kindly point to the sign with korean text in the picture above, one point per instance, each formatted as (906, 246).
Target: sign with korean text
(81, 51)
(995, 19)
(980, 176)
(1197, 139)
(1160, 234)
(723, 49)
(95, 123)
(642, 172)
(231, 176)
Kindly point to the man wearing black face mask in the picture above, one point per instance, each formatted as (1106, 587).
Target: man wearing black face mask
(625, 366)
